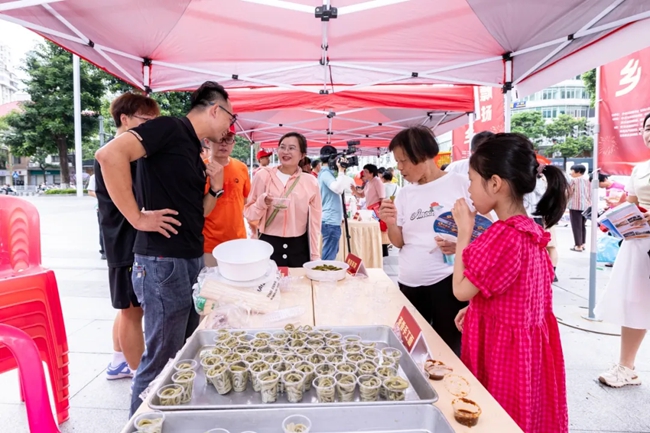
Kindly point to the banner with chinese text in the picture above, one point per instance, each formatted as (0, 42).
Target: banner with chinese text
(624, 102)
(490, 117)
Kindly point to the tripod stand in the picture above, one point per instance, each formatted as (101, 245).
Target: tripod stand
(345, 222)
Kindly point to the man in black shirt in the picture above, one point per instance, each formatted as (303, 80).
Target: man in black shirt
(128, 111)
(168, 215)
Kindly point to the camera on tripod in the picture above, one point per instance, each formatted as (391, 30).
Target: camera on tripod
(346, 158)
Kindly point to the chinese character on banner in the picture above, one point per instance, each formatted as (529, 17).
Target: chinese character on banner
(485, 93)
(630, 77)
(486, 113)
(624, 86)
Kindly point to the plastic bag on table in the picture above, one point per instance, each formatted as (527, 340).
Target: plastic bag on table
(228, 316)
(607, 249)
(214, 291)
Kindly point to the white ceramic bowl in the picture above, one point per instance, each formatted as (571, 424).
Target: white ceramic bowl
(326, 275)
(243, 259)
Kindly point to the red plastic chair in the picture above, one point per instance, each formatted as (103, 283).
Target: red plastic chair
(29, 297)
(32, 379)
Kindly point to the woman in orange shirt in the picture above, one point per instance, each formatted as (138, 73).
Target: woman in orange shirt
(287, 203)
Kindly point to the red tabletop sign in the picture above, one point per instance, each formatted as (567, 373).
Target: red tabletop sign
(408, 329)
(284, 271)
(355, 264)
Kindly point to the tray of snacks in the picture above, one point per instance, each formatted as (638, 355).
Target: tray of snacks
(246, 369)
(419, 418)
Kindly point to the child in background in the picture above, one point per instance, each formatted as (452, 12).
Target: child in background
(511, 341)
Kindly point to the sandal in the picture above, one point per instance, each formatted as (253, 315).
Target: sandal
(577, 249)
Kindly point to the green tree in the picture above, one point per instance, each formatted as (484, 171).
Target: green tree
(46, 124)
(242, 149)
(589, 79)
(571, 136)
(529, 123)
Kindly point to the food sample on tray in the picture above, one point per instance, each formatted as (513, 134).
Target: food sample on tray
(436, 370)
(457, 385)
(466, 411)
(289, 363)
(326, 268)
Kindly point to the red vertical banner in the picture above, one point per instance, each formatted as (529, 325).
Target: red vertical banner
(490, 117)
(624, 89)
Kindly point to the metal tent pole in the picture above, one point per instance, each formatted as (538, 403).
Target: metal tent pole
(594, 208)
(76, 84)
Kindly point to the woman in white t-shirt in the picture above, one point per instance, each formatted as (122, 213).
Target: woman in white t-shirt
(424, 277)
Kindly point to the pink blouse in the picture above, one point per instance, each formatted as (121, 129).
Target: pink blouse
(374, 191)
(303, 212)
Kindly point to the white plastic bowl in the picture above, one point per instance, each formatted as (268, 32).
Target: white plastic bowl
(326, 275)
(243, 259)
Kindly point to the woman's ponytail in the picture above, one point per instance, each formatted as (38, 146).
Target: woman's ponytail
(553, 203)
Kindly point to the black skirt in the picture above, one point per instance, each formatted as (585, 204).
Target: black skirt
(289, 252)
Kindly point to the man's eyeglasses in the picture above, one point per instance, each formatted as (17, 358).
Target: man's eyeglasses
(233, 117)
(228, 139)
(146, 119)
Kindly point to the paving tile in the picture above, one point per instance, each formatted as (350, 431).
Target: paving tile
(93, 338)
(85, 368)
(10, 386)
(13, 418)
(592, 407)
(74, 325)
(84, 420)
(104, 394)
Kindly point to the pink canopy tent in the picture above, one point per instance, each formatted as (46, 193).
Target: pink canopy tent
(177, 44)
(371, 115)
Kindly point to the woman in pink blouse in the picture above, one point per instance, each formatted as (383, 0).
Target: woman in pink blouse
(374, 190)
(287, 203)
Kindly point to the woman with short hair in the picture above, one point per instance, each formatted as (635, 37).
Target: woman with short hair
(425, 277)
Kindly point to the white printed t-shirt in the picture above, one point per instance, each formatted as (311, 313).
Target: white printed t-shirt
(421, 262)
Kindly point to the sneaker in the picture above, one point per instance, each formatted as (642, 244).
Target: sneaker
(122, 371)
(103, 257)
(619, 376)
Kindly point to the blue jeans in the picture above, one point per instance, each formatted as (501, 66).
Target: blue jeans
(163, 286)
(331, 236)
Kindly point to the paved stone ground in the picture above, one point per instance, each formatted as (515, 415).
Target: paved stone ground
(70, 247)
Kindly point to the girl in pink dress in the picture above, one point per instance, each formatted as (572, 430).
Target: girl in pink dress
(511, 341)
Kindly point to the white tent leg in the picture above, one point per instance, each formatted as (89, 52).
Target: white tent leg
(76, 84)
(250, 167)
(594, 209)
(507, 98)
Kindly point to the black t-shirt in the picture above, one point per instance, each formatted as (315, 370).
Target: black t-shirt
(119, 234)
(171, 176)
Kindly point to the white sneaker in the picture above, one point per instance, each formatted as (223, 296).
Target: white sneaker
(619, 376)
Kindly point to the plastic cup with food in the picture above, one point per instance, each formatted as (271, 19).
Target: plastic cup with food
(185, 364)
(185, 378)
(269, 381)
(263, 335)
(466, 411)
(325, 369)
(255, 369)
(366, 367)
(239, 374)
(294, 385)
(221, 378)
(436, 370)
(384, 373)
(232, 357)
(346, 368)
(308, 369)
(150, 422)
(345, 386)
(243, 349)
(208, 362)
(217, 430)
(205, 351)
(393, 354)
(352, 339)
(336, 358)
(253, 357)
(325, 388)
(170, 395)
(296, 424)
(395, 388)
(369, 387)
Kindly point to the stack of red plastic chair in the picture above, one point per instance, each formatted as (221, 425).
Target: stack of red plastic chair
(29, 297)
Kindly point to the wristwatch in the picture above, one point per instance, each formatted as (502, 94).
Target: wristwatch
(215, 194)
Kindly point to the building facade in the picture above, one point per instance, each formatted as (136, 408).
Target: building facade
(568, 97)
(8, 79)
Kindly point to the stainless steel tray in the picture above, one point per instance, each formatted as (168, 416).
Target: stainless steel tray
(420, 418)
(206, 397)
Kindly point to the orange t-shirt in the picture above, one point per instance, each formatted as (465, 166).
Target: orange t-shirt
(226, 221)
